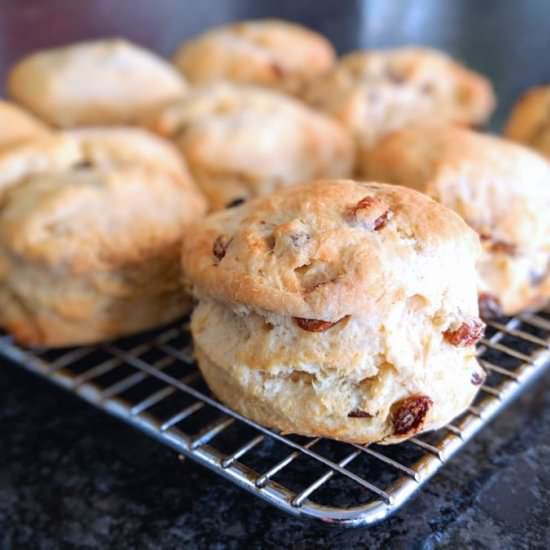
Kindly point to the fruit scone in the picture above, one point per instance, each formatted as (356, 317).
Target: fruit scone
(376, 91)
(245, 141)
(110, 81)
(335, 309)
(271, 52)
(501, 189)
(16, 125)
(529, 122)
(91, 223)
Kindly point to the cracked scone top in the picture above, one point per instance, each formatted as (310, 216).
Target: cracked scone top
(376, 91)
(271, 53)
(245, 141)
(336, 309)
(501, 189)
(91, 223)
(529, 122)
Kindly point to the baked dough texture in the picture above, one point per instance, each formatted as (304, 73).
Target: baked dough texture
(529, 122)
(16, 125)
(244, 141)
(101, 82)
(91, 223)
(376, 91)
(501, 189)
(271, 53)
(335, 309)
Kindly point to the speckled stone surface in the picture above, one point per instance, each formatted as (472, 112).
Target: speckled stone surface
(71, 477)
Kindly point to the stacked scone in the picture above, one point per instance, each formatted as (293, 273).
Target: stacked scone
(326, 308)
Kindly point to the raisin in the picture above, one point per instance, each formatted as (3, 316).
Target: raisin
(359, 414)
(394, 76)
(466, 334)
(409, 414)
(382, 220)
(477, 379)
(82, 165)
(427, 88)
(316, 325)
(277, 70)
(235, 202)
(270, 241)
(478, 127)
(366, 203)
(219, 247)
(489, 306)
(499, 246)
(503, 247)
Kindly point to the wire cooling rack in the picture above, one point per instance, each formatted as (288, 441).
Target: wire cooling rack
(152, 383)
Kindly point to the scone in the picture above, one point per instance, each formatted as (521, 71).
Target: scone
(242, 141)
(271, 53)
(335, 309)
(501, 189)
(376, 91)
(16, 125)
(91, 224)
(111, 145)
(109, 81)
(529, 122)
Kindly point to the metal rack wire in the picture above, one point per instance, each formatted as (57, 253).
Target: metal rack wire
(151, 382)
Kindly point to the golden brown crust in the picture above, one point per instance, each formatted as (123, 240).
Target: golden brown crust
(377, 91)
(335, 309)
(272, 53)
(75, 267)
(242, 141)
(298, 252)
(83, 84)
(16, 125)
(501, 189)
(529, 121)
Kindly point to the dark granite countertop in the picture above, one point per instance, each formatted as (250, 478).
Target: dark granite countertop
(71, 477)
